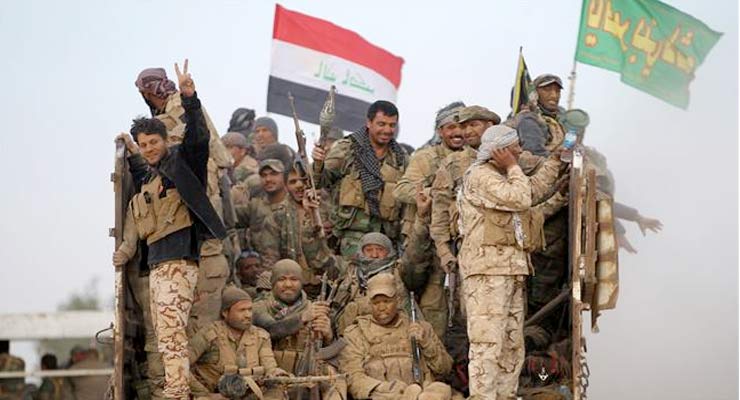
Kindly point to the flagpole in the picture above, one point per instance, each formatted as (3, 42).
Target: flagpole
(572, 87)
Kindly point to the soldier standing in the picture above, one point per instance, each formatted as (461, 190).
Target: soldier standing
(499, 228)
(363, 170)
(420, 174)
(229, 344)
(215, 255)
(173, 214)
(378, 356)
(245, 167)
(265, 133)
(257, 216)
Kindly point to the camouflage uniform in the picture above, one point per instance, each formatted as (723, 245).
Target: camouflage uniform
(499, 228)
(12, 389)
(213, 350)
(258, 219)
(378, 358)
(214, 268)
(422, 168)
(296, 232)
(351, 218)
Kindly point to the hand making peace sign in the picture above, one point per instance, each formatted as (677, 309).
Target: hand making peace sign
(185, 81)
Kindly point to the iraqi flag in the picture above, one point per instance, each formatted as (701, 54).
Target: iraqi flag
(309, 55)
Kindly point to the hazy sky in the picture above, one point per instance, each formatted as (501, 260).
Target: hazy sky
(69, 69)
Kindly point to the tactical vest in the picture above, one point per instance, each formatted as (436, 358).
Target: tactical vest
(289, 350)
(389, 351)
(352, 196)
(245, 356)
(500, 229)
(158, 216)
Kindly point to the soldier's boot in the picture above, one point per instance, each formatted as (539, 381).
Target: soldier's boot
(433, 302)
(213, 272)
(155, 375)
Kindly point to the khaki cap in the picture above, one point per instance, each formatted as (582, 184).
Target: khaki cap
(273, 164)
(382, 283)
(546, 79)
(477, 112)
(235, 139)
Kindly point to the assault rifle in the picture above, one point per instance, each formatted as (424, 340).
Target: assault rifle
(247, 383)
(416, 371)
(451, 279)
(302, 167)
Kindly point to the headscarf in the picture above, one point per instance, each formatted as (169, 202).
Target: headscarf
(369, 267)
(368, 166)
(268, 123)
(154, 81)
(495, 137)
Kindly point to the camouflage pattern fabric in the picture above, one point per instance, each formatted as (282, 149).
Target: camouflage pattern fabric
(213, 272)
(495, 312)
(172, 287)
(378, 361)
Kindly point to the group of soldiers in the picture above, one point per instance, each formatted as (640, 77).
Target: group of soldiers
(370, 273)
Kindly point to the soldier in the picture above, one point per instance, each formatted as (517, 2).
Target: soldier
(294, 321)
(376, 255)
(265, 133)
(229, 344)
(257, 216)
(378, 356)
(499, 228)
(88, 387)
(242, 122)
(473, 120)
(248, 269)
(12, 389)
(164, 101)
(173, 215)
(420, 174)
(245, 167)
(362, 171)
(540, 130)
(56, 388)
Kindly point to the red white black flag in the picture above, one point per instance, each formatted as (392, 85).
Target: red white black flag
(309, 55)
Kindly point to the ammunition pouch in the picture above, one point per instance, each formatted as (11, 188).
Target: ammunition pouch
(157, 217)
(500, 230)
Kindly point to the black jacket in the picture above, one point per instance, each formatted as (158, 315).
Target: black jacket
(186, 168)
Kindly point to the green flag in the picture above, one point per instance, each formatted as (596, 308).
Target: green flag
(654, 47)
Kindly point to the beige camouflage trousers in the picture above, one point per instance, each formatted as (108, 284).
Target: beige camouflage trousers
(213, 272)
(495, 312)
(171, 289)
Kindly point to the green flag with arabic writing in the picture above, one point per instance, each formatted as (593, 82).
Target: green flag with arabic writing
(655, 47)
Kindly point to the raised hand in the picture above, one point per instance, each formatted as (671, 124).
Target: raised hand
(184, 80)
(649, 224)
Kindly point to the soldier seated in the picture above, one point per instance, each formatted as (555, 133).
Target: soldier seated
(376, 256)
(298, 327)
(378, 357)
(248, 269)
(229, 344)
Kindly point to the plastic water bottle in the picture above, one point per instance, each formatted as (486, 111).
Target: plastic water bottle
(568, 143)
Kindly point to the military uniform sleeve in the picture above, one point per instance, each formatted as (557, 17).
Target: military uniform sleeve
(433, 351)
(197, 346)
(138, 168)
(442, 199)
(267, 357)
(543, 180)
(532, 136)
(510, 192)
(416, 172)
(277, 329)
(130, 242)
(333, 165)
(552, 205)
(359, 384)
(416, 262)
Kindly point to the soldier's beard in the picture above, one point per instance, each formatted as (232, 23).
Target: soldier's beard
(239, 324)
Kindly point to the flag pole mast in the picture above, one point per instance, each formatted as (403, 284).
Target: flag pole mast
(572, 87)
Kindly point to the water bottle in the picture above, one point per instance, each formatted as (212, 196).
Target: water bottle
(568, 143)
